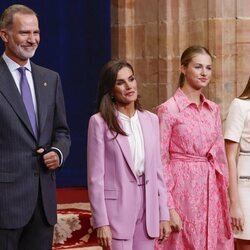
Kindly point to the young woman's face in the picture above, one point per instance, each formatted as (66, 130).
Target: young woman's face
(198, 72)
(125, 89)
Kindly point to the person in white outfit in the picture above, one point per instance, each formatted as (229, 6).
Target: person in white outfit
(237, 142)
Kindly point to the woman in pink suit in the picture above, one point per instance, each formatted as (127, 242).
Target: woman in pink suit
(125, 182)
(193, 153)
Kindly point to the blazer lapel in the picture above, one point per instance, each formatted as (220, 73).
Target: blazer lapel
(40, 86)
(125, 148)
(147, 136)
(10, 92)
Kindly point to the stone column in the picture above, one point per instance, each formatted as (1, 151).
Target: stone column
(152, 35)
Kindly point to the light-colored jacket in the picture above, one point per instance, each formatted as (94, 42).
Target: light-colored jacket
(112, 182)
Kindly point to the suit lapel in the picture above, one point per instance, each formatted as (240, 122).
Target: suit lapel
(40, 86)
(124, 144)
(147, 136)
(125, 148)
(10, 92)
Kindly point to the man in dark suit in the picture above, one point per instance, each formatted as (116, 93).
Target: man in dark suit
(34, 137)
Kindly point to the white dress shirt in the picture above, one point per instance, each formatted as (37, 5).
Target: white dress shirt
(13, 67)
(132, 127)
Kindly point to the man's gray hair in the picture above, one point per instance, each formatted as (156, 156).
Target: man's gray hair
(6, 19)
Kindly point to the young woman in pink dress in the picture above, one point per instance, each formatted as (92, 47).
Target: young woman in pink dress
(193, 155)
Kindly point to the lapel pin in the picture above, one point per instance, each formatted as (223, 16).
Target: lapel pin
(45, 84)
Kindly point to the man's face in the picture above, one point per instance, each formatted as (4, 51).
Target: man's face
(22, 39)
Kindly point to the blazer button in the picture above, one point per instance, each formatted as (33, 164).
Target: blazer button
(36, 174)
(146, 182)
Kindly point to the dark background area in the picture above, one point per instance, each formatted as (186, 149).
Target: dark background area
(75, 42)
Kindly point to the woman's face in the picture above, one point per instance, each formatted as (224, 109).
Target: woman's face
(198, 72)
(125, 89)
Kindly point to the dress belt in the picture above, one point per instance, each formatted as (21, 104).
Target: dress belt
(188, 157)
(214, 169)
(245, 153)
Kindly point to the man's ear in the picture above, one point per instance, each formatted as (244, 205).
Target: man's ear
(4, 35)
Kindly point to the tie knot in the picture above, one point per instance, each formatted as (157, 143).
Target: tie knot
(21, 70)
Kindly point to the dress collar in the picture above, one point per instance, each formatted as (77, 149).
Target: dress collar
(183, 101)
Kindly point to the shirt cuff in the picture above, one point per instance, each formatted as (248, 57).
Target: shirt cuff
(60, 155)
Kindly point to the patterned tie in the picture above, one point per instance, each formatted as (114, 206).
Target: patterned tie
(27, 99)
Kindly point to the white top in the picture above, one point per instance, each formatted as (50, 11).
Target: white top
(132, 127)
(13, 67)
(237, 126)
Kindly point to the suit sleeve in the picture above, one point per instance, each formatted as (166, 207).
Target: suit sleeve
(96, 170)
(61, 135)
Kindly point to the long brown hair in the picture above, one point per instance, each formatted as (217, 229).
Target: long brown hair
(105, 100)
(246, 92)
(187, 57)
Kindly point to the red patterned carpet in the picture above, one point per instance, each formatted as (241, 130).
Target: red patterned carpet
(74, 226)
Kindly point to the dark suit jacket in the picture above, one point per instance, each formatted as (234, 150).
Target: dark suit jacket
(21, 169)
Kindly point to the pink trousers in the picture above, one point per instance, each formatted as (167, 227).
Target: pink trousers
(140, 240)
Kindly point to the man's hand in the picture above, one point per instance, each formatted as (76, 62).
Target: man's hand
(51, 159)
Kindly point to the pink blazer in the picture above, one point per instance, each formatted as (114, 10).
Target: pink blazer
(112, 182)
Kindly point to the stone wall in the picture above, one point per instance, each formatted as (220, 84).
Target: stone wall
(152, 35)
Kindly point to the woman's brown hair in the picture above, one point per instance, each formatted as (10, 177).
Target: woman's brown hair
(246, 92)
(105, 100)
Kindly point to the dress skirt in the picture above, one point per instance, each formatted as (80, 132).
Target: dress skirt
(244, 193)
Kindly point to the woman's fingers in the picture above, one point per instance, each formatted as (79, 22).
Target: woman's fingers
(238, 224)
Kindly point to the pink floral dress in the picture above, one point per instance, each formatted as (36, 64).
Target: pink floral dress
(196, 173)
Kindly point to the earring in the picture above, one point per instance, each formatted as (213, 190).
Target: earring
(112, 98)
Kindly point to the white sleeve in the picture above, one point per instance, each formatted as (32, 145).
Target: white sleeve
(234, 124)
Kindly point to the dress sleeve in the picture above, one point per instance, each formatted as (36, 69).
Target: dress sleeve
(166, 123)
(234, 124)
(220, 152)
